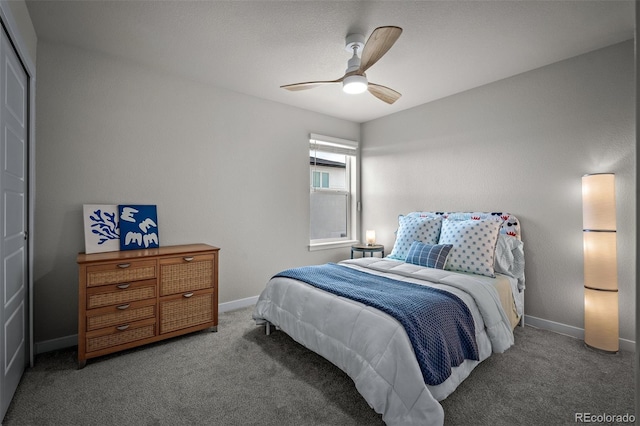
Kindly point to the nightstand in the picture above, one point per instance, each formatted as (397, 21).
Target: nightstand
(364, 249)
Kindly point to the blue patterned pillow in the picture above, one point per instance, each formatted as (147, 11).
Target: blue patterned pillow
(474, 244)
(431, 256)
(425, 230)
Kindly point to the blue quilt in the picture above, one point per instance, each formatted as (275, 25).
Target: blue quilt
(438, 323)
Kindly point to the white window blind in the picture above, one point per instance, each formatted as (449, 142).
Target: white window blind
(333, 145)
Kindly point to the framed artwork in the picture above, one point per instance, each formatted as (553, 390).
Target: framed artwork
(101, 229)
(138, 226)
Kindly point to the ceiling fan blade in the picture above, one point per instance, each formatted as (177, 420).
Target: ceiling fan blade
(383, 93)
(309, 84)
(379, 43)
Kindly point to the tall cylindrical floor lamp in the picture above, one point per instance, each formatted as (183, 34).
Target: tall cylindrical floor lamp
(600, 262)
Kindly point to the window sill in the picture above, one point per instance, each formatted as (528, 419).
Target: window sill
(332, 245)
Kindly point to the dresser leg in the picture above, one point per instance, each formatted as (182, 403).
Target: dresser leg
(214, 329)
(81, 363)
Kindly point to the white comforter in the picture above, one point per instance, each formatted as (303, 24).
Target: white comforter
(373, 347)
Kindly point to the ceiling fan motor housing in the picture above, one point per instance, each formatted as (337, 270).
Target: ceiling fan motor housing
(354, 44)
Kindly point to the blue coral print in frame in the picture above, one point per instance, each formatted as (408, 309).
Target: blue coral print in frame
(101, 228)
(138, 226)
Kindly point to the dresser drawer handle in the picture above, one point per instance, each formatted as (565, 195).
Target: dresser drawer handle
(187, 295)
(123, 265)
(122, 327)
(123, 307)
(188, 259)
(124, 286)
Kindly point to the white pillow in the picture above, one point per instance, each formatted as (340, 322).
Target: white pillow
(510, 258)
(410, 229)
(474, 245)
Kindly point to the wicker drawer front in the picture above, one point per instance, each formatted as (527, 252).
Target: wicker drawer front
(188, 273)
(120, 272)
(113, 336)
(184, 312)
(120, 314)
(113, 295)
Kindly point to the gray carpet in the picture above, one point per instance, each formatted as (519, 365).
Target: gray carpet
(239, 376)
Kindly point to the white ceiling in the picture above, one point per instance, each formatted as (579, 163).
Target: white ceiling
(253, 47)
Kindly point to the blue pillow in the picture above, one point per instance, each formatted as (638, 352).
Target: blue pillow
(423, 229)
(431, 256)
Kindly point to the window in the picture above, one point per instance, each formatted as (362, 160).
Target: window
(320, 179)
(333, 179)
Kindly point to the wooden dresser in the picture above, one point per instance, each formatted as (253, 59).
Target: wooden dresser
(134, 297)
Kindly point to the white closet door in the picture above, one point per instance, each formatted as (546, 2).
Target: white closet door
(13, 220)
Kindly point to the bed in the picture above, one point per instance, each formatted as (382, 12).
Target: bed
(463, 275)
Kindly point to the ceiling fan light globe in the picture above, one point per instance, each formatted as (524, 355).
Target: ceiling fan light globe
(354, 84)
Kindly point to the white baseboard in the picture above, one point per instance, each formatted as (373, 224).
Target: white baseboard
(72, 340)
(55, 344)
(571, 331)
(237, 304)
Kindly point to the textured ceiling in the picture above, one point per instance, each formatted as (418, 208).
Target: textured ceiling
(253, 47)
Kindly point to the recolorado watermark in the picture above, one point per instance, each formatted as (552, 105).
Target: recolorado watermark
(604, 418)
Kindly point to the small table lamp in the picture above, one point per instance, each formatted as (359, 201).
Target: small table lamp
(371, 237)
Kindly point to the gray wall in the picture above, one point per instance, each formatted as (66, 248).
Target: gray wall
(236, 166)
(519, 145)
(223, 168)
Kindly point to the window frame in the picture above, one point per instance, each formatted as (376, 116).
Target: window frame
(351, 150)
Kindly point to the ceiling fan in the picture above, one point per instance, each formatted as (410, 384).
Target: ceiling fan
(355, 80)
